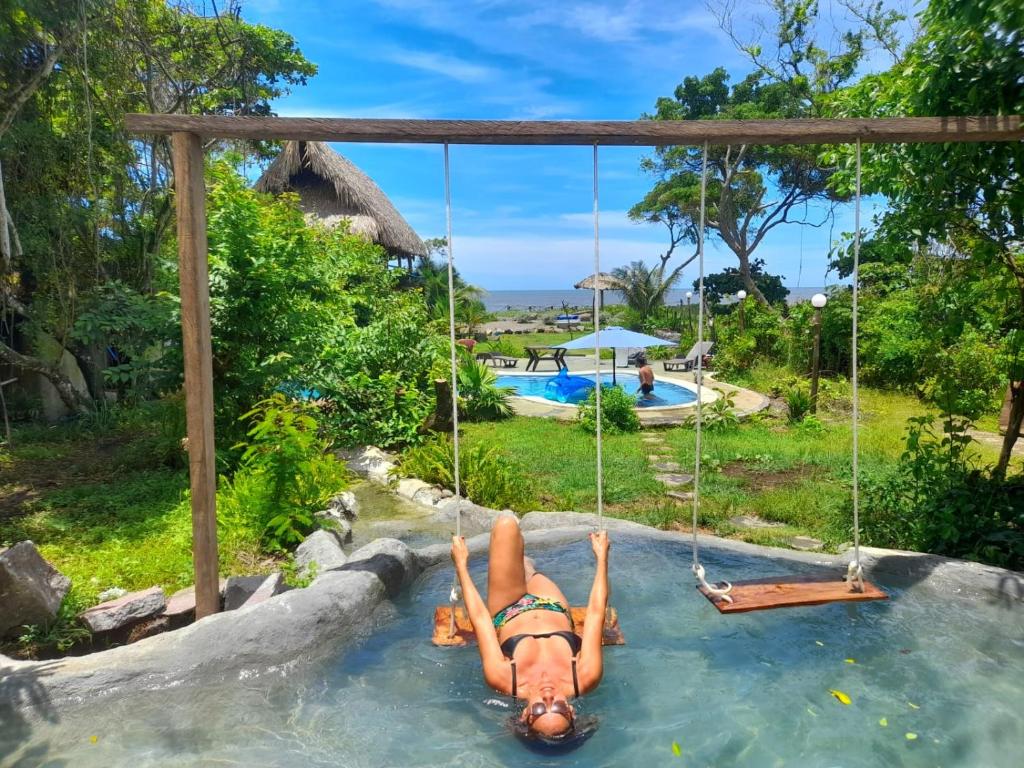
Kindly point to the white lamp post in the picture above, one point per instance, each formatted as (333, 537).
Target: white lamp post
(818, 301)
(741, 295)
(689, 315)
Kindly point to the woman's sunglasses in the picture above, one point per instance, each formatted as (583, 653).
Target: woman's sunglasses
(560, 707)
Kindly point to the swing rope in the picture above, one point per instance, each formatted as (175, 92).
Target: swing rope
(854, 571)
(455, 595)
(698, 569)
(597, 350)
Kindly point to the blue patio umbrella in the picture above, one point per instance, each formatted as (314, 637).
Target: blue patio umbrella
(615, 337)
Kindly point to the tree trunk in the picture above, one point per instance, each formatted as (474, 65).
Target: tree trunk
(441, 419)
(1012, 428)
(748, 281)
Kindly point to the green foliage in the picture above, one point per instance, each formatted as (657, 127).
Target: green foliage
(480, 394)
(286, 476)
(938, 500)
(618, 411)
(798, 402)
(488, 477)
(60, 635)
(645, 288)
(92, 204)
(724, 284)
(718, 416)
(302, 308)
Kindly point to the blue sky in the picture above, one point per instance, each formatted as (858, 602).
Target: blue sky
(522, 215)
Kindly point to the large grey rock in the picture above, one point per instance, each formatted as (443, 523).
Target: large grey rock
(372, 463)
(391, 560)
(410, 486)
(806, 543)
(31, 590)
(124, 611)
(344, 505)
(322, 548)
(239, 589)
(272, 585)
(475, 518)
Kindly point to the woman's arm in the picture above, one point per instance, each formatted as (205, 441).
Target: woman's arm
(590, 665)
(497, 671)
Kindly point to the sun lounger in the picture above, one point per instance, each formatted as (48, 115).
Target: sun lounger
(690, 361)
(498, 361)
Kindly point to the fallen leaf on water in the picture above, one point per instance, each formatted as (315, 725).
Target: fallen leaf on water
(818, 642)
(841, 697)
(851, 661)
(912, 705)
(884, 722)
(911, 736)
(94, 739)
(676, 749)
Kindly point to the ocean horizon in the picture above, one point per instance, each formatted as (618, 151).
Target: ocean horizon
(497, 301)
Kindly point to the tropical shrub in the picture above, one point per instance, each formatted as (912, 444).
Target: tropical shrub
(798, 402)
(487, 476)
(481, 397)
(618, 411)
(286, 475)
(937, 499)
(719, 416)
(308, 309)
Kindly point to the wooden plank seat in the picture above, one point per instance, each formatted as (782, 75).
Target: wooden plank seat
(790, 592)
(464, 635)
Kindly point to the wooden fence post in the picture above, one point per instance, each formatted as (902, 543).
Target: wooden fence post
(190, 197)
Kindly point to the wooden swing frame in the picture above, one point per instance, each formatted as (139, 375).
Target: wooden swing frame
(188, 133)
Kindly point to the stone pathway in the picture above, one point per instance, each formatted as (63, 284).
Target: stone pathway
(669, 471)
(753, 521)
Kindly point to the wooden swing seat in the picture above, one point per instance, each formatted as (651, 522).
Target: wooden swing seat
(464, 634)
(790, 592)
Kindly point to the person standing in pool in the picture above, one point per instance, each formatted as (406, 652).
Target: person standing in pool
(646, 374)
(525, 635)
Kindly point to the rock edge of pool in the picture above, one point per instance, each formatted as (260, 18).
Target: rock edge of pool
(303, 625)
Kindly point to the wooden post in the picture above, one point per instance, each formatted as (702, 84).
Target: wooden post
(190, 195)
(815, 358)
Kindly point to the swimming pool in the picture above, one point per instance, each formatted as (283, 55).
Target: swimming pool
(665, 393)
(749, 690)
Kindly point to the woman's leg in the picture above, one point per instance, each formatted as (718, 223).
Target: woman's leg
(506, 574)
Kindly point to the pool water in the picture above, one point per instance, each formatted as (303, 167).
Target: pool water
(745, 690)
(665, 393)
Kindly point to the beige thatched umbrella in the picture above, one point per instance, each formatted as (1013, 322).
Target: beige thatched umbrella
(605, 282)
(332, 189)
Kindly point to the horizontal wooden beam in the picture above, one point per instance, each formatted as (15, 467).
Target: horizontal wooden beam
(587, 132)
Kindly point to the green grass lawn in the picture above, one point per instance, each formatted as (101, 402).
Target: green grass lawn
(764, 467)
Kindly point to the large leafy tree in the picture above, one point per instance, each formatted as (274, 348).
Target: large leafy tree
(967, 60)
(754, 189)
(86, 204)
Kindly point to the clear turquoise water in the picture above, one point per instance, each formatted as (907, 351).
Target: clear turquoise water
(746, 690)
(664, 392)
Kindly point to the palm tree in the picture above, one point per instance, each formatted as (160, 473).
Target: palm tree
(432, 277)
(645, 288)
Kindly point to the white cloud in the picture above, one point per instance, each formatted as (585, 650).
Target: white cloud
(440, 64)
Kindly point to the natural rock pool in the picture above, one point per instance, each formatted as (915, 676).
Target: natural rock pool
(745, 690)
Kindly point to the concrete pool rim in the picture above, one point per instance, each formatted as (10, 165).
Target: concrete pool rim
(304, 625)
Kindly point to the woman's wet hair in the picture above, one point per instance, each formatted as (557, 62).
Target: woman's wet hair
(582, 728)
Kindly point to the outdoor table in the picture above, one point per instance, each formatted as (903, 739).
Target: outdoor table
(537, 354)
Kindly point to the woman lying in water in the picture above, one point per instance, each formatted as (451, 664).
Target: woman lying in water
(525, 632)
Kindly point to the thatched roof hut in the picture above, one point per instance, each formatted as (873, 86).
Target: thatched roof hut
(605, 282)
(332, 189)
